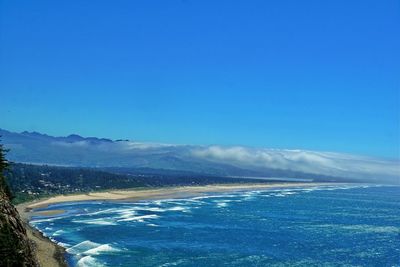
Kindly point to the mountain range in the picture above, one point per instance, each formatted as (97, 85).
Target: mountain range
(234, 161)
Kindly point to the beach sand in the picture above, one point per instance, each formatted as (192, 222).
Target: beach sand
(48, 253)
(160, 193)
(51, 255)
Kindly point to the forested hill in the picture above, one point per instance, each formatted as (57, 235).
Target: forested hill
(28, 181)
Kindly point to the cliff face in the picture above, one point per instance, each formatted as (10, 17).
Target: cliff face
(15, 247)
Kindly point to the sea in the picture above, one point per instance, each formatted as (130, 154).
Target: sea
(333, 225)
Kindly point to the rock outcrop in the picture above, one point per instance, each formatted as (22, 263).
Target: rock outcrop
(15, 247)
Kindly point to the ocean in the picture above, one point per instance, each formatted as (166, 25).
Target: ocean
(355, 225)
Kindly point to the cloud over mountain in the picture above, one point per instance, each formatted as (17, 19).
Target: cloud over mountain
(327, 163)
(75, 150)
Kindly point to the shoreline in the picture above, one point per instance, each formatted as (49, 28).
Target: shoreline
(161, 193)
(50, 254)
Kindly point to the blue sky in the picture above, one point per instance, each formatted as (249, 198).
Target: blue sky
(318, 75)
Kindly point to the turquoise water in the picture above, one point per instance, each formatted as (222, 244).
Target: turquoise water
(324, 226)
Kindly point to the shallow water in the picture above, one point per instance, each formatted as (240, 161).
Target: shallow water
(324, 226)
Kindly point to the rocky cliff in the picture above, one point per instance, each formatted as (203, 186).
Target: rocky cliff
(15, 247)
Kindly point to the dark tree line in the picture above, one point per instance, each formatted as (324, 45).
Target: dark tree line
(28, 181)
(4, 164)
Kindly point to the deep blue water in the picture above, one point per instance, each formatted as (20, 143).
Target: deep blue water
(325, 226)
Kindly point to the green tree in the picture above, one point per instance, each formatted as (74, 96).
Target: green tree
(4, 164)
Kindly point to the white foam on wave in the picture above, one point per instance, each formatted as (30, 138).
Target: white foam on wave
(159, 202)
(97, 221)
(58, 232)
(175, 263)
(82, 247)
(113, 210)
(140, 218)
(249, 195)
(153, 209)
(213, 196)
(335, 187)
(132, 212)
(128, 210)
(179, 208)
(288, 191)
(143, 203)
(222, 204)
(102, 249)
(225, 202)
(88, 261)
(176, 201)
(126, 214)
(34, 221)
(64, 245)
(118, 211)
(307, 190)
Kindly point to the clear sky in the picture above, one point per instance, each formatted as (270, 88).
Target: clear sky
(318, 75)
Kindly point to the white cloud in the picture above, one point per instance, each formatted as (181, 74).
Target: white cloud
(324, 163)
(144, 146)
(71, 144)
(121, 146)
(327, 163)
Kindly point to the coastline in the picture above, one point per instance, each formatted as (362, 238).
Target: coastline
(51, 254)
(162, 193)
(48, 253)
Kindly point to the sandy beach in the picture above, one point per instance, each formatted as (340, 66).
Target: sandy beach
(50, 254)
(159, 193)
